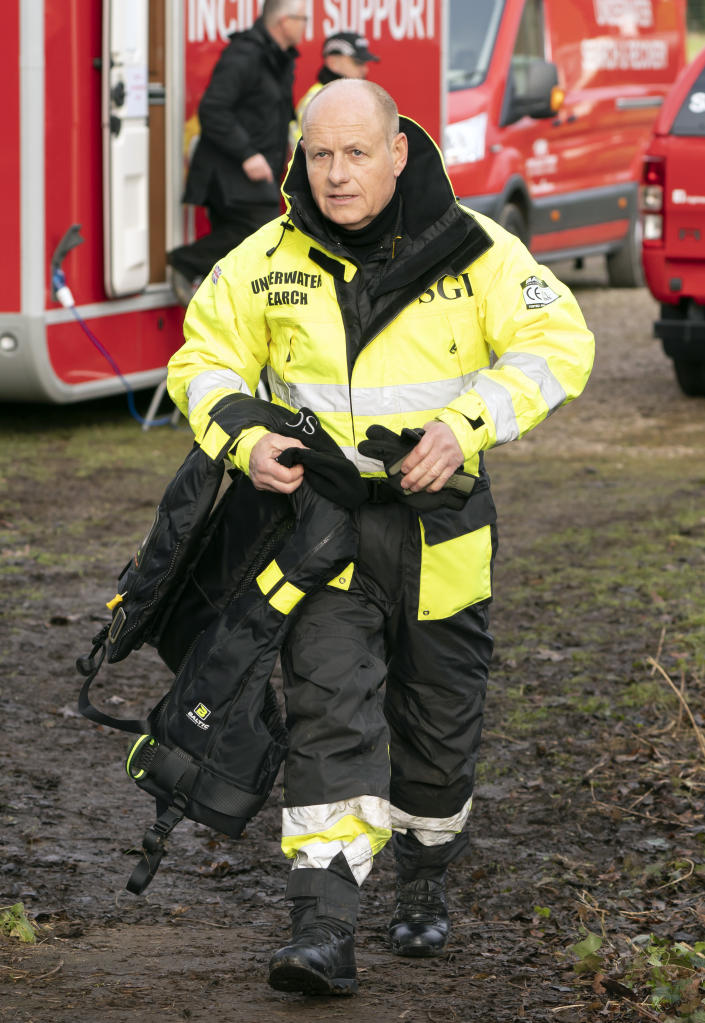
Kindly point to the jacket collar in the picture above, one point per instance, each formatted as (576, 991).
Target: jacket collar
(434, 224)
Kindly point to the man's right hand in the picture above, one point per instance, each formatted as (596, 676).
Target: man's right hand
(257, 168)
(266, 473)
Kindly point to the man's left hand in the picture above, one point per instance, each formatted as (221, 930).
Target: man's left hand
(431, 463)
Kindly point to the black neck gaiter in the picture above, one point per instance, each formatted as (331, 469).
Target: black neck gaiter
(374, 236)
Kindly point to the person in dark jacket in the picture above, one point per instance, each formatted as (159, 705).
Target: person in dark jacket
(240, 157)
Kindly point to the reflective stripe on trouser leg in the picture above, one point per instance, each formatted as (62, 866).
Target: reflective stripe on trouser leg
(355, 828)
(431, 830)
(336, 778)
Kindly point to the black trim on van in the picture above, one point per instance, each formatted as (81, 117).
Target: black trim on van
(584, 208)
(577, 209)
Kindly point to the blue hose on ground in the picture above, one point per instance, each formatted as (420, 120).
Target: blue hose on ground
(64, 296)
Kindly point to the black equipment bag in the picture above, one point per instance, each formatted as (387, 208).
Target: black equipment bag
(214, 587)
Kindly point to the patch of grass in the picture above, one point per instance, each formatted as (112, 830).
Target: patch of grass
(643, 694)
(624, 574)
(15, 923)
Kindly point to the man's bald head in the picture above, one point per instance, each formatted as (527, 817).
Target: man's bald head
(355, 91)
(354, 151)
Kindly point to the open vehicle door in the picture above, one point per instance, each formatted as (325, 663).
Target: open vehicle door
(125, 145)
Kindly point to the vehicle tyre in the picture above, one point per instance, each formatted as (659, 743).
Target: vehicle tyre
(514, 221)
(690, 374)
(624, 266)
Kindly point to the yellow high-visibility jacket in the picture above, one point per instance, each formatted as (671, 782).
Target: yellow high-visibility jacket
(462, 325)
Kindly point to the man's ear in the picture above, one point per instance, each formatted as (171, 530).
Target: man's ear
(400, 153)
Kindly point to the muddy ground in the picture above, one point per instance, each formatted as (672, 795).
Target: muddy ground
(582, 894)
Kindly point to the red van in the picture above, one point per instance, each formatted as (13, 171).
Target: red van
(672, 200)
(100, 109)
(562, 175)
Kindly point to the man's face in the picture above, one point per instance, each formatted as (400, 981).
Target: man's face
(294, 24)
(348, 67)
(352, 166)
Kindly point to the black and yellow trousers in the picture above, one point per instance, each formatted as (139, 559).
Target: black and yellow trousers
(384, 708)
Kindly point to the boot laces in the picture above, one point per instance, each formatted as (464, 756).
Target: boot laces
(320, 931)
(422, 894)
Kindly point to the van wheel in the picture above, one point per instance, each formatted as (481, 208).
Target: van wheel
(690, 374)
(514, 221)
(624, 268)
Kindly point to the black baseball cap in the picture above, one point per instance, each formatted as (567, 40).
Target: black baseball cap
(350, 45)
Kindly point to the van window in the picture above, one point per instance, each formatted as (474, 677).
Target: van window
(472, 33)
(690, 119)
(529, 44)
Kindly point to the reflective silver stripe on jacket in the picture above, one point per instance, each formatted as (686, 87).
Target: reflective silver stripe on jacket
(317, 397)
(535, 367)
(370, 401)
(499, 404)
(212, 380)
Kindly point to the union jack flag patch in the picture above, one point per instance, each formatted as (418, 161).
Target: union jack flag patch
(216, 273)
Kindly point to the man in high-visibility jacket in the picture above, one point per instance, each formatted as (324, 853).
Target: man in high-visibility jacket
(420, 335)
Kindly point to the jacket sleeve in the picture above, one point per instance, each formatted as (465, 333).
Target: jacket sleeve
(224, 351)
(238, 67)
(542, 349)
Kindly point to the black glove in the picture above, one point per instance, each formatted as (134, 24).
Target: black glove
(392, 448)
(332, 475)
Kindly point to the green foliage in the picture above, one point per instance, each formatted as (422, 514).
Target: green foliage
(585, 952)
(14, 923)
(664, 976)
(674, 976)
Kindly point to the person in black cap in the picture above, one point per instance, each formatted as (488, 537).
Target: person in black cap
(345, 55)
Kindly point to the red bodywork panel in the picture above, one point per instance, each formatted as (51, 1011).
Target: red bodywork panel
(10, 161)
(141, 340)
(674, 266)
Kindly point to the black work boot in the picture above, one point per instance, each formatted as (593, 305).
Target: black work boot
(420, 925)
(320, 959)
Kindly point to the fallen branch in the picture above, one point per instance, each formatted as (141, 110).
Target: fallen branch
(684, 703)
(677, 880)
(643, 1011)
(43, 976)
(623, 809)
(660, 647)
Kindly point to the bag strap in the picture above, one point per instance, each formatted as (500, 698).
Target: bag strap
(154, 838)
(89, 667)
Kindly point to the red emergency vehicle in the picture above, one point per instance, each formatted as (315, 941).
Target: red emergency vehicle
(100, 114)
(673, 210)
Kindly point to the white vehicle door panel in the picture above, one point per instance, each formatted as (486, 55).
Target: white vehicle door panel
(125, 127)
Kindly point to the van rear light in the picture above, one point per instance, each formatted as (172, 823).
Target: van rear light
(653, 227)
(651, 197)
